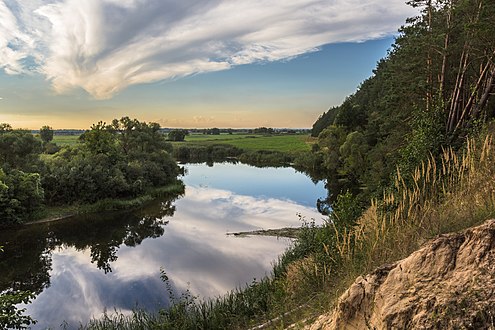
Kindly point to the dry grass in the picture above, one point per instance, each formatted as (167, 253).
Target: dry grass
(446, 195)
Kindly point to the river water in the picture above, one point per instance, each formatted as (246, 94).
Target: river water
(81, 267)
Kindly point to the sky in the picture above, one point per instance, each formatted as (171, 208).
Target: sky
(190, 63)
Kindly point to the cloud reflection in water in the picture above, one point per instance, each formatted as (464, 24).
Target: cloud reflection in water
(194, 251)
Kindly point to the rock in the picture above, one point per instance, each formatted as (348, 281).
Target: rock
(448, 284)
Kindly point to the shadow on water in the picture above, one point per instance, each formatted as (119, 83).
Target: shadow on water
(27, 258)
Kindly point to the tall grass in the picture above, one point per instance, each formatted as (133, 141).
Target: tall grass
(453, 192)
(235, 310)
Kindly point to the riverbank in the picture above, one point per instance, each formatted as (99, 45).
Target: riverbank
(57, 213)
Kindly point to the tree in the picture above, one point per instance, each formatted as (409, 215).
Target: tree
(46, 134)
(436, 85)
(263, 130)
(214, 131)
(100, 139)
(123, 159)
(19, 149)
(4, 127)
(177, 135)
(353, 152)
(21, 195)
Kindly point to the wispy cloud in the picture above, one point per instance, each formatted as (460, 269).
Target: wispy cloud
(103, 46)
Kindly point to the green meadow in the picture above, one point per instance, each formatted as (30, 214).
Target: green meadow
(253, 142)
(65, 140)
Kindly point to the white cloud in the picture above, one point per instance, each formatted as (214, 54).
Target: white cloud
(103, 46)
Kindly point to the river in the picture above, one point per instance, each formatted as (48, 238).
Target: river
(81, 267)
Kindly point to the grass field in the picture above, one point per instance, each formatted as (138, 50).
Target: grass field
(247, 142)
(253, 142)
(65, 140)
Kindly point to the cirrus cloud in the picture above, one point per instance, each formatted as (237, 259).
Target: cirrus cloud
(104, 46)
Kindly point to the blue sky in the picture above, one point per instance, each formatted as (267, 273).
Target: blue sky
(235, 63)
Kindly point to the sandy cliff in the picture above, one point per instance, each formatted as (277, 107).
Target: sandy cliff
(448, 284)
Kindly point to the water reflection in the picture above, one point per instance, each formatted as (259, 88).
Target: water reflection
(82, 267)
(27, 256)
(283, 183)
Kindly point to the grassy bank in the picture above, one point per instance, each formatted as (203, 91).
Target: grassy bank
(442, 195)
(55, 213)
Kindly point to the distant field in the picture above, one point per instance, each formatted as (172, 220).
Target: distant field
(217, 138)
(248, 142)
(65, 140)
(251, 142)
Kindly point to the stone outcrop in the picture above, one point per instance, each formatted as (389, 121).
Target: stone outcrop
(448, 284)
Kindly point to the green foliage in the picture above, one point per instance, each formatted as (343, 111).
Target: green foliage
(51, 148)
(263, 130)
(21, 195)
(351, 115)
(346, 210)
(325, 120)
(100, 139)
(19, 149)
(46, 134)
(354, 154)
(434, 87)
(11, 317)
(329, 142)
(177, 134)
(427, 138)
(124, 159)
(212, 131)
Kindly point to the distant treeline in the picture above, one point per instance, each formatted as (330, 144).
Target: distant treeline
(62, 131)
(258, 130)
